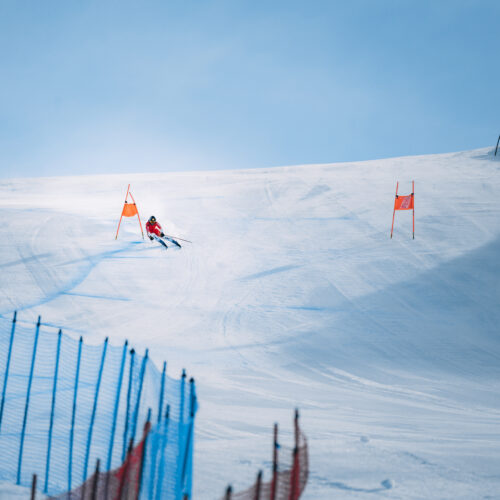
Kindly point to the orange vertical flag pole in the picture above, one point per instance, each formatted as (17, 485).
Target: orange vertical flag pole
(394, 212)
(413, 196)
(140, 225)
(121, 216)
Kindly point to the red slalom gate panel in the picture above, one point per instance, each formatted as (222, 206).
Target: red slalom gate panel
(405, 202)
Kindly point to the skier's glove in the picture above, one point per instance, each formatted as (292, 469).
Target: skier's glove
(162, 235)
(151, 238)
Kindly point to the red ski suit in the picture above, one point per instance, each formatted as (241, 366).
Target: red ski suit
(153, 229)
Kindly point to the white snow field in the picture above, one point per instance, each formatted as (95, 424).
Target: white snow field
(292, 294)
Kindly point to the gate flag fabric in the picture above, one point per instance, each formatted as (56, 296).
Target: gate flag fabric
(129, 210)
(405, 202)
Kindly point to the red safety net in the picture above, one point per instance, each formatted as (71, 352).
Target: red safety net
(290, 478)
(122, 483)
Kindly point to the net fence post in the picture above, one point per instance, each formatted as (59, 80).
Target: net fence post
(157, 436)
(7, 367)
(127, 410)
(33, 487)
(162, 389)
(182, 397)
(189, 439)
(26, 407)
(147, 428)
(296, 428)
(94, 410)
(295, 475)
(73, 413)
(115, 411)
(139, 394)
(258, 485)
(52, 409)
(126, 466)
(180, 437)
(164, 443)
(274, 482)
(95, 483)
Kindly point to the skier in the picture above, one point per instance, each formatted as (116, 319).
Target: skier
(153, 228)
(155, 231)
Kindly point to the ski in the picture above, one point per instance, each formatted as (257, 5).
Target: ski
(159, 240)
(168, 238)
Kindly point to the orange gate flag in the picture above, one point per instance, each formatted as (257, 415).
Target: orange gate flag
(129, 210)
(406, 202)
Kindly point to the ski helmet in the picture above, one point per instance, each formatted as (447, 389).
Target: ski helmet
(152, 219)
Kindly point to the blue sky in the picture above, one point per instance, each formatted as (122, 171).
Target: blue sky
(120, 86)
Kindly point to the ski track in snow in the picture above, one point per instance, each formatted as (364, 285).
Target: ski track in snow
(292, 294)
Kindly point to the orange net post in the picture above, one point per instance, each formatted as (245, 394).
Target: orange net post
(406, 202)
(129, 210)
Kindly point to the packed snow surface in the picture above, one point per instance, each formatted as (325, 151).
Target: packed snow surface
(292, 294)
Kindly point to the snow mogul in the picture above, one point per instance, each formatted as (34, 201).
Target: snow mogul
(155, 232)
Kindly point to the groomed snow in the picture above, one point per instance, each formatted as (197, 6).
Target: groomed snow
(292, 294)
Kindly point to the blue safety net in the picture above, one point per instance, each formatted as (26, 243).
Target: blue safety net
(170, 441)
(65, 404)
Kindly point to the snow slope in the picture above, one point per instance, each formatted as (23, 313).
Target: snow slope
(292, 294)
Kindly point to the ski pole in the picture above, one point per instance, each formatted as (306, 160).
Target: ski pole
(177, 238)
